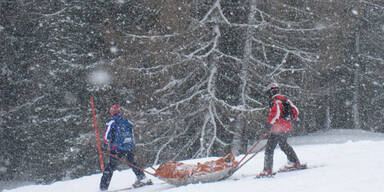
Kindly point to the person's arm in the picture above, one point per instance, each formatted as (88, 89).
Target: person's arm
(274, 112)
(294, 109)
(107, 132)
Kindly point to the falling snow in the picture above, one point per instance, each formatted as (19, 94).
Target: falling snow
(355, 12)
(114, 49)
(180, 68)
(120, 1)
(100, 77)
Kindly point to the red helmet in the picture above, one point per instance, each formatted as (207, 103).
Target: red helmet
(114, 109)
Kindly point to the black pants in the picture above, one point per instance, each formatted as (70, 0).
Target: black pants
(108, 172)
(273, 140)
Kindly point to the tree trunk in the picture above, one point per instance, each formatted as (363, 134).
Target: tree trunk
(240, 138)
(355, 107)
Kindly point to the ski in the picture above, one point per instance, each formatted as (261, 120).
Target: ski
(121, 189)
(134, 187)
(266, 176)
(301, 167)
(142, 184)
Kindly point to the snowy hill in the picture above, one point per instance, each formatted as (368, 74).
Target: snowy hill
(345, 160)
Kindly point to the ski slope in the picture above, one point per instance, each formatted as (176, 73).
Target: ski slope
(345, 160)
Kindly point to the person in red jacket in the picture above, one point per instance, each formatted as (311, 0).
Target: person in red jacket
(280, 127)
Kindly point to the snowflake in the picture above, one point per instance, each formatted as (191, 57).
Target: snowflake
(120, 1)
(114, 49)
(99, 77)
(355, 12)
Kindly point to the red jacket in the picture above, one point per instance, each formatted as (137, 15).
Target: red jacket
(279, 124)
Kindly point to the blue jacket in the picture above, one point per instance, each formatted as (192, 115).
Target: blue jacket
(119, 134)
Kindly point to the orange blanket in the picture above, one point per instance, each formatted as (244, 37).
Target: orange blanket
(173, 169)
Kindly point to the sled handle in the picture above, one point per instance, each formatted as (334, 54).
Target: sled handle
(241, 165)
(255, 145)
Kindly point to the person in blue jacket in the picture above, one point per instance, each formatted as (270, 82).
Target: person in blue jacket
(119, 138)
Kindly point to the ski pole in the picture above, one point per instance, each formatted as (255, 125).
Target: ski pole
(97, 136)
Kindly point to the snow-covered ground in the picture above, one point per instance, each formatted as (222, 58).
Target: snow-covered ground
(345, 160)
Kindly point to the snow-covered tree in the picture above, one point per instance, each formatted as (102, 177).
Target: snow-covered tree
(189, 74)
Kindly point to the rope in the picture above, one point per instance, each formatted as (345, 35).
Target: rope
(128, 163)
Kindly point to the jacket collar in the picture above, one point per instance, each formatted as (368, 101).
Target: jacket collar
(117, 116)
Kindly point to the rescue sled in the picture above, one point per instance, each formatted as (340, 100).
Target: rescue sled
(177, 173)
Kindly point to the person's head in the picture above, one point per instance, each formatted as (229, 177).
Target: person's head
(273, 89)
(115, 109)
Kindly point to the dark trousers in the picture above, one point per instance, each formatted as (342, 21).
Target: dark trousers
(273, 140)
(108, 171)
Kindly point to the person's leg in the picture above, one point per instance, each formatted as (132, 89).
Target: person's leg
(130, 157)
(108, 172)
(287, 149)
(269, 151)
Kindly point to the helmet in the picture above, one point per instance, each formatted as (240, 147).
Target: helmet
(273, 89)
(273, 86)
(114, 109)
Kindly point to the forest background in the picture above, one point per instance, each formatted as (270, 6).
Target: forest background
(190, 74)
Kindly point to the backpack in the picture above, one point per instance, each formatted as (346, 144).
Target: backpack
(287, 113)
